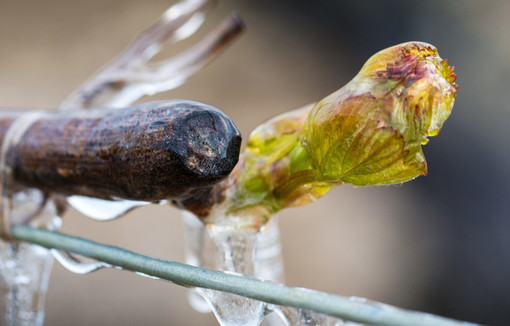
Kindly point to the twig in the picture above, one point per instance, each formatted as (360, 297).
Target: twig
(131, 75)
(148, 152)
(333, 305)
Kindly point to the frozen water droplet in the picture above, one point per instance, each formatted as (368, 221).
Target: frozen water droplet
(101, 209)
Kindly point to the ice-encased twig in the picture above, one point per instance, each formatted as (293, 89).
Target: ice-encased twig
(131, 76)
(25, 267)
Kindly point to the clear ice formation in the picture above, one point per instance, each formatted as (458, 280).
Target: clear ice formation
(254, 254)
(234, 252)
(101, 209)
(25, 268)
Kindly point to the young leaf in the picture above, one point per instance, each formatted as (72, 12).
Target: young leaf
(369, 132)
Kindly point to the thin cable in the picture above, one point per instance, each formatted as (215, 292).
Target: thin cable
(186, 275)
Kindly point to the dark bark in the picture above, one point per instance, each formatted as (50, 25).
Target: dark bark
(153, 151)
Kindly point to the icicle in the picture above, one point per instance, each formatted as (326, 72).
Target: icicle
(96, 209)
(101, 209)
(73, 264)
(240, 251)
(245, 252)
(25, 268)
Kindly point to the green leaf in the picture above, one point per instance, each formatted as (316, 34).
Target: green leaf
(369, 132)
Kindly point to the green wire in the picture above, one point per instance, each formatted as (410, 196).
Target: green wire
(279, 294)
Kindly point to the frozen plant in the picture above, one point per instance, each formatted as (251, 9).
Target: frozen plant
(369, 132)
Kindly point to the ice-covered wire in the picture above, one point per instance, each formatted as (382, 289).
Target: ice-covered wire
(329, 304)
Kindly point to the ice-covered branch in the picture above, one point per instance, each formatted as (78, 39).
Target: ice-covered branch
(131, 76)
(353, 309)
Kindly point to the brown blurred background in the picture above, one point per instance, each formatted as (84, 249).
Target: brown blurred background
(439, 244)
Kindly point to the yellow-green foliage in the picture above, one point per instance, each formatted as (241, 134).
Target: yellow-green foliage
(369, 132)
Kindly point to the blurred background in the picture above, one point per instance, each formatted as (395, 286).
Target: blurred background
(438, 244)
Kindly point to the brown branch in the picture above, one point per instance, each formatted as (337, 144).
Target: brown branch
(153, 151)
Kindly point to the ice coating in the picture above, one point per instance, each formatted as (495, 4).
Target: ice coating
(101, 209)
(233, 311)
(257, 255)
(254, 254)
(368, 132)
(25, 268)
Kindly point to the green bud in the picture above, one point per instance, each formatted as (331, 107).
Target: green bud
(369, 132)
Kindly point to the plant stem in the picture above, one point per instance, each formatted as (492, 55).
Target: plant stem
(186, 275)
